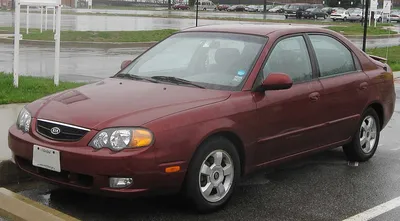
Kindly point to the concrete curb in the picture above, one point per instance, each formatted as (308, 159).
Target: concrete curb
(16, 207)
(11, 173)
(82, 44)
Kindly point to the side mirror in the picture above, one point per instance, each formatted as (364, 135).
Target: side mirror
(125, 63)
(275, 81)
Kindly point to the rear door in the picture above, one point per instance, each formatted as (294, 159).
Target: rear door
(345, 93)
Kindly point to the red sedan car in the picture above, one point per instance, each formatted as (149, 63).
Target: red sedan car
(205, 107)
(180, 7)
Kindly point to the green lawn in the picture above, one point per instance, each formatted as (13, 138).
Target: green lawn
(98, 36)
(359, 30)
(30, 88)
(393, 56)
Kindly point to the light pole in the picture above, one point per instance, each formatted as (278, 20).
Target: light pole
(197, 11)
(365, 25)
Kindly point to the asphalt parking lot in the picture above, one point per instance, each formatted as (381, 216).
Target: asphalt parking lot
(321, 187)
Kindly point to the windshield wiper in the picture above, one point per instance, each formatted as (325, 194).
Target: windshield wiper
(176, 80)
(137, 77)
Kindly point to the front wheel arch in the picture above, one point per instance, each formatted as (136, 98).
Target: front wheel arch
(236, 141)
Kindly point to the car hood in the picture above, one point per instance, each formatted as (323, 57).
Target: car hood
(116, 102)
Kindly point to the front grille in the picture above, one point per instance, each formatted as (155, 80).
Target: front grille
(68, 133)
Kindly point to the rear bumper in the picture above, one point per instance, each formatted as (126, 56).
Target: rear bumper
(89, 171)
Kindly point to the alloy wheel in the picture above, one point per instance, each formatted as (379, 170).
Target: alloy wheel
(368, 132)
(216, 176)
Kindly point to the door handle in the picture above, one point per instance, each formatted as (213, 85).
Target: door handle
(363, 85)
(314, 96)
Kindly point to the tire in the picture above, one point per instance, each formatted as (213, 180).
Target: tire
(324, 16)
(333, 19)
(356, 151)
(286, 16)
(345, 19)
(204, 156)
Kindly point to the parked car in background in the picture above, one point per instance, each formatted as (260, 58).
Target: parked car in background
(285, 7)
(222, 7)
(379, 16)
(317, 6)
(352, 9)
(355, 15)
(395, 15)
(236, 8)
(327, 10)
(180, 7)
(251, 8)
(296, 10)
(340, 14)
(211, 105)
(314, 13)
(261, 8)
(277, 9)
(335, 9)
(207, 5)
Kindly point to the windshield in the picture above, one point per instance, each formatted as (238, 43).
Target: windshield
(212, 60)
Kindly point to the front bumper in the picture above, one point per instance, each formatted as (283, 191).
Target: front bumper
(89, 171)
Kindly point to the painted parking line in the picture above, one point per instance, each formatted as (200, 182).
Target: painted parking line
(376, 211)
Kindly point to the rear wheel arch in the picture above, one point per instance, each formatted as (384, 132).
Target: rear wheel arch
(378, 107)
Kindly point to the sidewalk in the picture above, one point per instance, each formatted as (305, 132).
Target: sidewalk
(8, 117)
(396, 74)
(9, 173)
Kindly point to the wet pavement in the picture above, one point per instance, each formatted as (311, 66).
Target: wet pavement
(76, 64)
(202, 14)
(112, 23)
(321, 187)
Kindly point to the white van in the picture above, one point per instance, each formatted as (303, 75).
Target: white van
(207, 5)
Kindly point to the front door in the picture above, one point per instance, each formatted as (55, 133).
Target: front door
(288, 119)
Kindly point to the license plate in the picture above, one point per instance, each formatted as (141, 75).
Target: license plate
(46, 158)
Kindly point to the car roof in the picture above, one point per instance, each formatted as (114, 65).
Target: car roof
(254, 29)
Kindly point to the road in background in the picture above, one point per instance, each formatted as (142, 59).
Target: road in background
(114, 23)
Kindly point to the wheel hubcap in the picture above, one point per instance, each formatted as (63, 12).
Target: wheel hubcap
(216, 176)
(368, 133)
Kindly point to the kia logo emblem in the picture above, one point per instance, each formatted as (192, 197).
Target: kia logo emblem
(55, 130)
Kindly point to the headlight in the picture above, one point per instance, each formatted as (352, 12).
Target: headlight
(24, 120)
(118, 139)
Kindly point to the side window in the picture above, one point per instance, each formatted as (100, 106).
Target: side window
(332, 56)
(290, 56)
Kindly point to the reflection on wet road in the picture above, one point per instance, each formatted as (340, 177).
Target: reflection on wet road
(321, 187)
(77, 64)
(111, 23)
